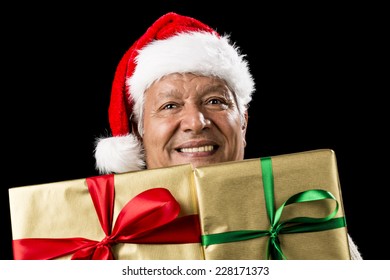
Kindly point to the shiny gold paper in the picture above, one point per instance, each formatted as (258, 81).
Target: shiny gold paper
(227, 196)
(231, 198)
(65, 209)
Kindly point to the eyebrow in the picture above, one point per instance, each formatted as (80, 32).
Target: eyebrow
(208, 88)
(168, 93)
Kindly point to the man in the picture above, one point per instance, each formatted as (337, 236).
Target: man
(180, 95)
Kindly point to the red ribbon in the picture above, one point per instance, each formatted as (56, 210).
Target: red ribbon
(148, 218)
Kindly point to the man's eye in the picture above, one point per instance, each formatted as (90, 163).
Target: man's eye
(214, 101)
(169, 106)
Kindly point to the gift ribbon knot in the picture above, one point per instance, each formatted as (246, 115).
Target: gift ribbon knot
(273, 233)
(107, 242)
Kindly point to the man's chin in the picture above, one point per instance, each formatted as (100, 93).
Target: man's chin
(199, 162)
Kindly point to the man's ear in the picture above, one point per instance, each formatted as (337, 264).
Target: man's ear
(134, 129)
(245, 124)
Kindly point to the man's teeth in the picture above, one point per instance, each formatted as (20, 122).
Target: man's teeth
(197, 149)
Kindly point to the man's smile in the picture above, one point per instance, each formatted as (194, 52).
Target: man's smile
(207, 148)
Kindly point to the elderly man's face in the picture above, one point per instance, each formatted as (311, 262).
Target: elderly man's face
(191, 119)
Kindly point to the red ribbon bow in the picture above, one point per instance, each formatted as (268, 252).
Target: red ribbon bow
(151, 217)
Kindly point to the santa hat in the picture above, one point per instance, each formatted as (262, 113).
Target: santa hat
(173, 44)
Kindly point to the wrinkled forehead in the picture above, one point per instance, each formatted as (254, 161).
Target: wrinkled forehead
(183, 82)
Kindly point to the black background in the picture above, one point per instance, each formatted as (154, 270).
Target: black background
(318, 77)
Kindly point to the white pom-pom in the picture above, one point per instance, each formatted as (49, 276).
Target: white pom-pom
(119, 154)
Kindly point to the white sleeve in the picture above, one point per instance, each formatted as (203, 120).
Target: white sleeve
(353, 249)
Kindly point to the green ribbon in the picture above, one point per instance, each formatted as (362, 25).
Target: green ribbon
(294, 225)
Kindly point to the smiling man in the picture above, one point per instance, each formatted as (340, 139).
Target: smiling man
(180, 95)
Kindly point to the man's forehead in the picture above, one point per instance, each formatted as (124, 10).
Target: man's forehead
(191, 76)
(177, 83)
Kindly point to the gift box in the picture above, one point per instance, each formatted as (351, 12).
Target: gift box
(137, 215)
(280, 207)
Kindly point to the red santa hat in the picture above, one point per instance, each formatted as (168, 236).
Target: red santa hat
(173, 44)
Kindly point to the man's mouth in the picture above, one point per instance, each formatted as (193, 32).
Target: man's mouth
(207, 148)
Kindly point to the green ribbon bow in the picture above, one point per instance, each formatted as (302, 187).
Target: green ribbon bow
(294, 225)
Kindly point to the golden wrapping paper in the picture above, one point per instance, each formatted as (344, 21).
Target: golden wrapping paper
(231, 198)
(227, 197)
(65, 210)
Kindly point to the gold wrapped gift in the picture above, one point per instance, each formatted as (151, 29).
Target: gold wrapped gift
(281, 207)
(60, 221)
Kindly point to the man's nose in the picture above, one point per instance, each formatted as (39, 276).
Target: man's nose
(194, 119)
